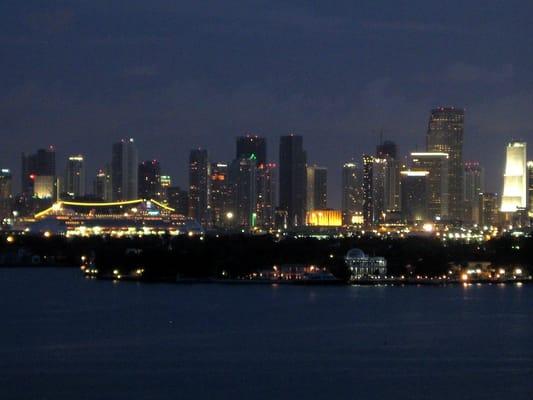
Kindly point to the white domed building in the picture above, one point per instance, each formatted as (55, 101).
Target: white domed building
(363, 266)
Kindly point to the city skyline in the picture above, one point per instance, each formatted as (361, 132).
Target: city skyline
(74, 78)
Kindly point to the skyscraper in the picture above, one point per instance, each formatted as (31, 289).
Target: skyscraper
(445, 135)
(242, 176)
(292, 179)
(389, 174)
(266, 194)
(474, 184)
(103, 189)
(220, 194)
(414, 193)
(514, 196)
(178, 199)
(368, 189)
(530, 186)
(39, 170)
(124, 170)
(252, 146)
(6, 193)
(489, 205)
(75, 179)
(437, 165)
(352, 203)
(149, 176)
(317, 188)
(199, 186)
(387, 149)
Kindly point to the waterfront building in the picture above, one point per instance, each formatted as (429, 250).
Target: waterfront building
(103, 189)
(414, 195)
(252, 146)
(317, 188)
(437, 166)
(363, 266)
(368, 190)
(387, 153)
(474, 184)
(445, 135)
(292, 179)
(242, 176)
(6, 193)
(75, 178)
(199, 186)
(149, 176)
(514, 197)
(324, 218)
(352, 198)
(221, 202)
(489, 205)
(124, 170)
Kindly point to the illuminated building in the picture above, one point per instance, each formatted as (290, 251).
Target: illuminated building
(178, 199)
(252, 145)
(75, 180)
(514, 197)
(437, 165)
(489, 204)
(445, 135)
(414, 193)
(324, 218)
(199, 186)
(368, 189)
(242, 176)
(292, 179)
(103, 188)
(44, 187)
(389, 175)
(317, 188)
(6, 193)
(166, 181)
(530, 186)
(42, 164)
(149, 176)
(220, 194)
(351, 192)
(363, 266)
(126, 218)
(266, 194)
(474, 185)
(124, 170)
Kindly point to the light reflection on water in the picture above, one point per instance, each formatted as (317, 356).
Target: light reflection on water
(65, 337)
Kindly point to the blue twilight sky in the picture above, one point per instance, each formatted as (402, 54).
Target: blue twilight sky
(175, 75)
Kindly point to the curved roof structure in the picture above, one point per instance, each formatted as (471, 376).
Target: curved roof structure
(356, 254)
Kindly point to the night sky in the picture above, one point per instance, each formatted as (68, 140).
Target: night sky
(176, 75)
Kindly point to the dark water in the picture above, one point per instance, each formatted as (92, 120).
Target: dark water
(64, 337)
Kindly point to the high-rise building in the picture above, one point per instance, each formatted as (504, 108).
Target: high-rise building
(445, 135)
(242, 176)
(514, 196)
(530, 186)
(292, 179)
(352, 198)
(75, 179)
(368, 189)
(103, 189)
(149, 176)
(414, 193)
(178, 199)
(6, 193)
(317, 188)
(474, 184)
(437, 165)
(252, 146)
(387, 149)
(220, 194)
(266, 194)
(124, 170)
(199, 186)
(388, 174)
(39, 168)
(489, 205)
